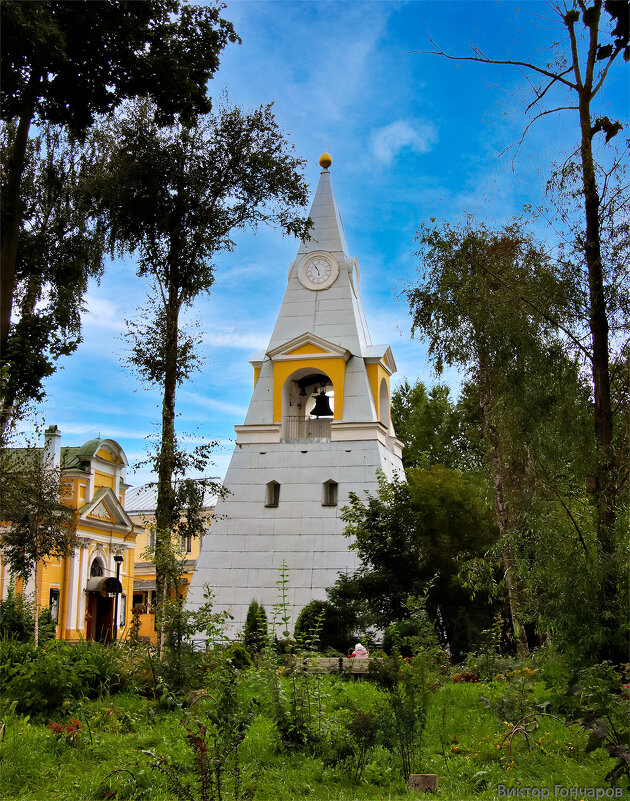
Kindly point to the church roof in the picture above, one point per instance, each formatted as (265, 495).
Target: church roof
(327, 232)
(144, 498)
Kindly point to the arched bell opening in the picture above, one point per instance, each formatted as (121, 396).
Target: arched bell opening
(383, 403)
(308, 404)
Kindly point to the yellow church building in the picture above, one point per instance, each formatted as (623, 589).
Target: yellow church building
(140, 505)
(82, 588)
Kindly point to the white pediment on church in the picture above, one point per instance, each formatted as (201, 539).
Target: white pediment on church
(105, 510)
(308, 346)
(380, 354)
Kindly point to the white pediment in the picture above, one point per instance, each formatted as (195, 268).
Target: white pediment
(380, 354)
(105, 510)
(319, 349)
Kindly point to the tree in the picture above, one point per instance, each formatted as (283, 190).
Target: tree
(255, 632)
(414, 534)
(464, 307)
(579, 72)
(60, 246)
(56, 69)
(175, 195)
(432, 428)
(37, 526)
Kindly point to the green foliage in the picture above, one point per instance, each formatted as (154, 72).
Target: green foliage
(182, 628)
(56, 71)
(601, 704)
(351, 735)
(281, 609)
(122, 735)
(38, 527)
(323, 626)
(239, 655)
(407, 684)
(60, 247)
(44, 681)
(409, 534)
(38, 524)
(214, 735)
(517, 695)
(17, 618)
(255, 631)
(163, 49)
(433, 429)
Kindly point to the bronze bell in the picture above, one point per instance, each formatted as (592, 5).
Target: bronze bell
(322, 406)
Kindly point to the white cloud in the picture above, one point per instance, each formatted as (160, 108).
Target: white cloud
(102, 312)
(389, 141)
(215, 405)
(227, 338)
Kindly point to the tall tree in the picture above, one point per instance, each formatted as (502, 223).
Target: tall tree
(409, 535)
(570, 83)
(60, 246)
(37, 526)
(464, 307)
(176, 195)
(67, 63)
(433, 429)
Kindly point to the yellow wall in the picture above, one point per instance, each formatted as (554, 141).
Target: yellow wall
(334, 368)
(103, 480)
(303, 350)
(376, 373)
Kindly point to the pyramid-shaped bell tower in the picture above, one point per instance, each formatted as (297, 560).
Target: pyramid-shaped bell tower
(318, 427)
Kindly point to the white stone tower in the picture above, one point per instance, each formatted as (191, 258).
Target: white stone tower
(291, 472)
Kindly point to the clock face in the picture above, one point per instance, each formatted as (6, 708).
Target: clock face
(318, 270)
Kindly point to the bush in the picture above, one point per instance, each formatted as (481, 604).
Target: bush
(239, 656)
(44, 680)
(255, 632)
(321, 624)
(16, 618)
(396, 638)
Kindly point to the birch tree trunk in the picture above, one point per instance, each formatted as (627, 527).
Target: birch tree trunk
(36, 605)
(502, 514)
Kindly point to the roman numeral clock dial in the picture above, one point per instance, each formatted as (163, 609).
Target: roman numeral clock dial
(318, 271)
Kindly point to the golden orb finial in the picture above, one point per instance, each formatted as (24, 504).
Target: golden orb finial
(325, 160)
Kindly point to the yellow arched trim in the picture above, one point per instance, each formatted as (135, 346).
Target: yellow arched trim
(376, 373)
(334, 368)
(105, 454)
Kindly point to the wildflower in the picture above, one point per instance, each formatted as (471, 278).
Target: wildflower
(56, 728)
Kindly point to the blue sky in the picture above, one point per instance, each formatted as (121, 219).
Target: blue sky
(412, 136)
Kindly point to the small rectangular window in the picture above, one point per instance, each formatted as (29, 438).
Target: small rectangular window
(273, 494)
(330, 493)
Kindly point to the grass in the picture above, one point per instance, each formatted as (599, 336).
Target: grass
(464, 742)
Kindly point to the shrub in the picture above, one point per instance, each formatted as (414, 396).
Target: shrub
(44, 680)
(16, 618)
(255, 632)
(321, 623)
(239, 656)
